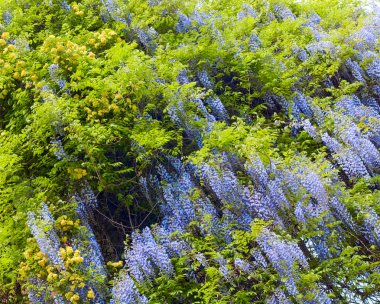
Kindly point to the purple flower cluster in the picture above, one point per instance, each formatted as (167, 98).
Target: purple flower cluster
(322, 47)
(204, 79)
(254, 42)
(356, 71)
(283, 255)
(371, 225)
(124, 291)
(64, 5)
(278, 297)
(146, 257)
(302, 104)
(54, 71)
(147, 38)
(243, 265)
(184, 24)
(179, 117)
(217, 108)
(182, 77)
(247, 11)
(42, 228)
(373, 70)
(59, 152)
(282, 12)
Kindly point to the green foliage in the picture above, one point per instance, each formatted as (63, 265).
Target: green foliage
(111, 116)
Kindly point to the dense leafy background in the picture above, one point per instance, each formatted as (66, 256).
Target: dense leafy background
(189, 151)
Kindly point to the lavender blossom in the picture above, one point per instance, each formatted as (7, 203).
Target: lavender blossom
(341, 213)
(217, 108)
(371, 225)
(36, 294)
(373, 70)
(310, 129)
(283, 12)
(64, 5)
(247, 11)
(302, 55)
(146, 256)
(254, 42)
(7, 17)
(42, 228)
(184, 24)
(243, 265)
(59, 152)
(283, 254)
(147, 38)
(182, 77)
(124, 291)
(355, 70)
(320, 47)
(351, 164)
(278, 297)
(302, 104)
(204, 79)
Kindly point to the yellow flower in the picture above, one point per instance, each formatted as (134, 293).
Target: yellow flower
(12, 56)
(60, 48)
(68, 295)
(118, 264)
(77, 260)
(28, 253)
(90, 294)
(3, 42)
(69, 250)
(62, 251)
(20, 64)
(74, 298)
(51, 277)
(42, 263)
(5, 35)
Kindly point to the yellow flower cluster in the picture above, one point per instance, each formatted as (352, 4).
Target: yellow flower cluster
(115, 264)
(65, 224)
(74, 297)
(77, 173)
(23, 271)
(65, 53)
(70, 257)
(67, 281)
(96, 108)
(103, 38)
(10, 65)
(77, 10)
